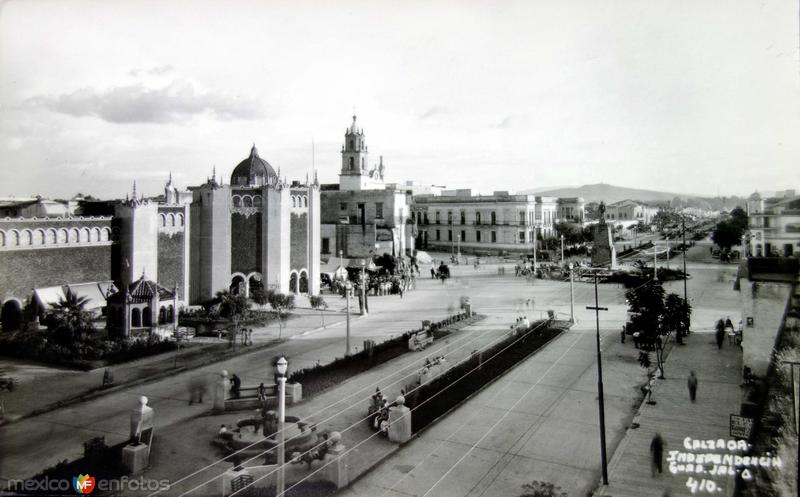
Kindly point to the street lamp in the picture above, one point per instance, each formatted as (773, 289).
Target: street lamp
(562, 250)
(571, 296)
(348, 287)
(364, 309)
(281, 366)
(534, 250)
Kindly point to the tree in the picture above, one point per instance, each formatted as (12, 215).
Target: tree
(573, 234)
(542, 489)
(258, 295)
(280, 302)
(70, 321)
(739, 219)
(727, 234)
(646, 305)
(665, 217)
(231, 306)
(317, 302)
(677, 316)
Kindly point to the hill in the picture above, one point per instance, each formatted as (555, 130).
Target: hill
(609, 193)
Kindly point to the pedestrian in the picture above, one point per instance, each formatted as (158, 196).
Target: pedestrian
(657, 452)
(692, 384)
(236, 386)
(622, 335)
(262, 394)
(433, 271)
(720, 333)
(729, 324)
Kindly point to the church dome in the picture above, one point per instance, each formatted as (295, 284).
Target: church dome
(253, 171)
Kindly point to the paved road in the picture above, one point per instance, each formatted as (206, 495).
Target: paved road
(35, 443)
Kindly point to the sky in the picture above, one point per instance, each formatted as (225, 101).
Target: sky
(695, 96)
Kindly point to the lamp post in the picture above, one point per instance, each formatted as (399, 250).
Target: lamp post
(364, 286)
(281, 366)
(348, 287)
(562, 250)
(685, 295)
(571, 296)
(458, 252)
(534, 249)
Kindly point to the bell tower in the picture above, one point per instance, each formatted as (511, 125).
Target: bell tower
(354, 151)
(356, 174)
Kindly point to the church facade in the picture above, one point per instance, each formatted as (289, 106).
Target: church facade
(362, 215)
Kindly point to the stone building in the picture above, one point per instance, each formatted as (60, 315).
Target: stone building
(457, 219)
(362, 215)
(256, 231)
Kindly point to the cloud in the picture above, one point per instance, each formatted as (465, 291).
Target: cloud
(153, 71)
(434, 111)
(176, 102)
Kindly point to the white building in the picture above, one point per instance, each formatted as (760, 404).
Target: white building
(774, 225)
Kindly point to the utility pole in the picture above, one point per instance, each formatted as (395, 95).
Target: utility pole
(685, 293)
(601, 404)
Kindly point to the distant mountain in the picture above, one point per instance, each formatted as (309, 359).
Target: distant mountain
(611, 193)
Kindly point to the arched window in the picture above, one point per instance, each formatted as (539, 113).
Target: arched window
(351, 146)
(27, 238)
(2, 238)
(257, 201)
(172, 219)
(136, 317)
(50, 237)
(38, 237)
(305, 201)
(163, 220)
(85, 235)
(63, 235)
(294, 201)
(247, 201)
(162, 315)
(237, 201)
(179, 219)
(352, 163)
(147, 316)
(105, 235)
(170, 314)
(303, 282)
(293, 282)
(96, 234)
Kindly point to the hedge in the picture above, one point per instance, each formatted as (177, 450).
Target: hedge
(320, 377)
(436, 398)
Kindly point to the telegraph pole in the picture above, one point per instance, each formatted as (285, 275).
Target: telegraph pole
(685, 293)
(601, 404)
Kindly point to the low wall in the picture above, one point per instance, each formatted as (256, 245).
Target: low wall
(763, 307)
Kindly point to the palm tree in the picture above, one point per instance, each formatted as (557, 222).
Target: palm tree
(69, 319)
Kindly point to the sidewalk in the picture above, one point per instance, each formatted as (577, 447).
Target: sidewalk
(675, 418)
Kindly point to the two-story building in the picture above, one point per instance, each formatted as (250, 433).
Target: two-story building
(459, 220)
(629, 212)
(774, 225)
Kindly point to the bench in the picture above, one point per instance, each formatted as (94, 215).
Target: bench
(419, 341)
(248, 397)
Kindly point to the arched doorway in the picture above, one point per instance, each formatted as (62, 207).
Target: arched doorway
(303, 282)
(238, 285)
(293, 283)
(254, 285)
(11, 315)
(136, 318)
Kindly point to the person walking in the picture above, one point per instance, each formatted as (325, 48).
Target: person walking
(657, 452)
(720, 333)
(692, 384)
(236, 385)
(433, 271)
